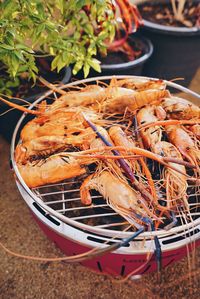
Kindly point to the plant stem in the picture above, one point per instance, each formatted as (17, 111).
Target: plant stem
(174, 7)
(181, 5)
(178, 9)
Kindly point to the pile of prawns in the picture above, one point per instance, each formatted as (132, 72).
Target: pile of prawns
(142, 143)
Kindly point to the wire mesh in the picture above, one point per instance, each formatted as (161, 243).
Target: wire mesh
(65, 199)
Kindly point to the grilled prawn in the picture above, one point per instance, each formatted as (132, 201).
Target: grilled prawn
(178, 108)
(62, 122)
(111, 99)
(195, 129)
(119, 195)
(140, 84)
(51, 170)
(174, 179)
(186, 145)
(150, 114)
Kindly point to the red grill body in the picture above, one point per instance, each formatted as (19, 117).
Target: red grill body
(113, 263)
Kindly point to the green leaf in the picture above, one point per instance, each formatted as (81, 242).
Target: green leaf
(65, 56)
(15, 64)
(19, 55)
(7, 47)
(61, 5)
(77, 67)
(54, 63)
(13, 83)
(60, 64)
(95, 64)
(34, 68)
(102, 35)
(15, 14)
(86, 69)
(33, 76)
(51, 51)
(92, 50)
(89, 29)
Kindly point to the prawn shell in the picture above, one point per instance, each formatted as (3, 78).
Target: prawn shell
(152, 135)
(134, 100)
(140, 84)
(53, 170)
(178, 108)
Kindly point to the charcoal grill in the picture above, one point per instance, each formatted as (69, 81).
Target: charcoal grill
(77, 229)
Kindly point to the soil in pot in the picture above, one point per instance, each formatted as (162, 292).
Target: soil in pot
(132, 50)
(127, 61)
(176, 48)
(163, 14)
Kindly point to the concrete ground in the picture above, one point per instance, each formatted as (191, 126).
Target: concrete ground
(28, 279)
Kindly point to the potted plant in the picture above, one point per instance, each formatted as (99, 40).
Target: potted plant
(63, 30)
(71, 32)
(174, 28)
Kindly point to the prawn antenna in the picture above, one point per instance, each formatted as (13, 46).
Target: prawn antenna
(122, 163)
(158, 250)
(173, 223)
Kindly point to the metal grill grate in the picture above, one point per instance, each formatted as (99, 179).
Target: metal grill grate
(65, 199)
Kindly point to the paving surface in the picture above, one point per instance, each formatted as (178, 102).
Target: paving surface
(28, 279)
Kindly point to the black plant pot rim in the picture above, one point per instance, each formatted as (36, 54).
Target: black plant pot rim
(171, 30)
(66, 78)
(135, 62)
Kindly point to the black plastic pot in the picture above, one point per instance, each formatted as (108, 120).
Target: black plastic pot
(127, 68)
(9, 120)
(176, 51)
